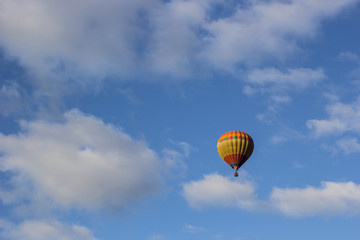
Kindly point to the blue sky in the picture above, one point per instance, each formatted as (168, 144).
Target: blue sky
(110, 112)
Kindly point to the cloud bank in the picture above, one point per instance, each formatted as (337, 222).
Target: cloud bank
(150, 40)
(100, 38)
(80, 162)
(332, 198)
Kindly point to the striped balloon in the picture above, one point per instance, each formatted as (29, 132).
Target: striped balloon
(235, 148)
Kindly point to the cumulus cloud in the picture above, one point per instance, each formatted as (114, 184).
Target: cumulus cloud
(93, 37)
(43, 230)
(331, 198)
(80, 162)
(216, 190)
(342, 118)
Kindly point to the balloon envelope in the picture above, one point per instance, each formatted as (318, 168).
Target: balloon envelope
(235, 147)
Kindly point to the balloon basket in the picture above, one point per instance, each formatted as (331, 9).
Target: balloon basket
(236, 174)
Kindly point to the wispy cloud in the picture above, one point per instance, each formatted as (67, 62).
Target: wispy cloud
(278, 86)
(175, 160)
(157, 237)
(13, 98)
(349, 145)
(342, 117)
(343, 121)
(286, 134)
(349, 57)
(272, 80)
(43, 230)
(193, 229)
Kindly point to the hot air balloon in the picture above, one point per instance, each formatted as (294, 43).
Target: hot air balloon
(235, 147)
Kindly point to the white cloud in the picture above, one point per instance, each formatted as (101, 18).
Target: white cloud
(342, 118)
(81, 162)
(67, 46)
(174, 44)
(157, 237)
(216, 190)
(286, 134)
(12, 98)
(279, 85)
(194, 229)
(264, 29)
(96, 38)
(275, 82)
(349, 145)
(330, 199)
(93, 37)
(349, 57)
(297, 165)
(43, 230)
(174, 160)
